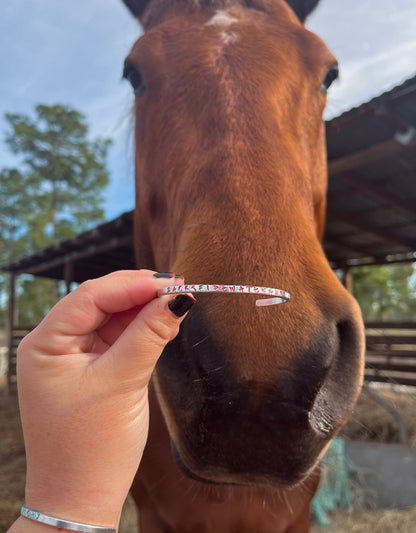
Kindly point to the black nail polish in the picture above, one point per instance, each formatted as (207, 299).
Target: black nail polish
(181, 304)
(167, 275)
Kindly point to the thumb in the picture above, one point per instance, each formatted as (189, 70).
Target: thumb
(134, 355)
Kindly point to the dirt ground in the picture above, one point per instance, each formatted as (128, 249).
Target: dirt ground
(369, 422)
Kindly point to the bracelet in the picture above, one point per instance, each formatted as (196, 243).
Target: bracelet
(279, 296)
(65, 524)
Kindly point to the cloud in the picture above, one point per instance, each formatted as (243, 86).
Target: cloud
(375, 43)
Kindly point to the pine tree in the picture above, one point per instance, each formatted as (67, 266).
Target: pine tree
(56, 191)
(386, 292)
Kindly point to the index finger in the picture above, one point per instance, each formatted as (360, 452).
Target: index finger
(89, 306)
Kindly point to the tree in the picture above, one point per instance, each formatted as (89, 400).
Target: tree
(385, 292)
(56, 190)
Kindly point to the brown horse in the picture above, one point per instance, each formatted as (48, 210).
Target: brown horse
(231, 184)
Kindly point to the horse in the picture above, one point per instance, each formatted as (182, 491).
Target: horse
(231, 177)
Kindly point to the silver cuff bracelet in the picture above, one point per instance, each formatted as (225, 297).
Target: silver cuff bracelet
(65, 524)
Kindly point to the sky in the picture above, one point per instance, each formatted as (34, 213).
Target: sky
(72, 53)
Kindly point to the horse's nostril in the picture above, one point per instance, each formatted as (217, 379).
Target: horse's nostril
(314, 363)
(347, 334)
(338, 391)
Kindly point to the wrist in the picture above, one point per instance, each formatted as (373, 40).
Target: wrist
(33, 522)
(82, 483)
(24, 525)
(100, 511)
(76, 500)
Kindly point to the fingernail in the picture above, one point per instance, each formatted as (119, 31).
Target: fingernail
(181, 304)
(167, 275)
(164, 275)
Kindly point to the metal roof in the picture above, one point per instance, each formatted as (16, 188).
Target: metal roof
(371, 199)
(372, 181)
(90, 254)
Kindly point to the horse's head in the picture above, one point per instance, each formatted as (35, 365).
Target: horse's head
(231, 185)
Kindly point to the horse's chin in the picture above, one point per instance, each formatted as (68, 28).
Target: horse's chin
(219, 476)
(192, 475)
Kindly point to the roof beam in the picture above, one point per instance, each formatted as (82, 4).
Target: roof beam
(386, 196)
(88, 251)
(337, 242)
(383, 233)
(342, 193)
(369, 155)
(388, 259)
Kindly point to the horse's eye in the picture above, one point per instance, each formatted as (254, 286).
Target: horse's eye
(135, 77)
(331, 75)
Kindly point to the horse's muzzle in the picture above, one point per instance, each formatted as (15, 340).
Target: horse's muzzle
(226, 428)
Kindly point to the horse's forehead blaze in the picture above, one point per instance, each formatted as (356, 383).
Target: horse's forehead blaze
(222, 18)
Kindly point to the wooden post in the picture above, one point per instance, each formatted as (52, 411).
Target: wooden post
(347, 279)
(11, 369)
(69, 275)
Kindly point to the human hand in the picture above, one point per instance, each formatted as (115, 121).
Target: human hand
(82, 378)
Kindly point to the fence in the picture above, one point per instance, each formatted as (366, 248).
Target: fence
(15, 336)
(391, 352)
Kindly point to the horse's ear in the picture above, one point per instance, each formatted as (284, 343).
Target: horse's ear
(136, 7)
(302, 8)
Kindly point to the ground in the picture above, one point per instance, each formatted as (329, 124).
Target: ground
(369, 422)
